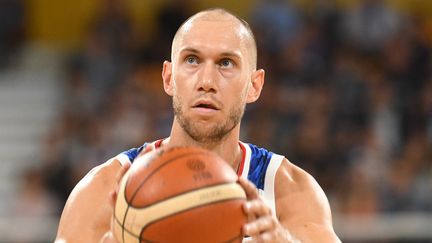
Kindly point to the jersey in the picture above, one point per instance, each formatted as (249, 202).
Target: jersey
(258, 165)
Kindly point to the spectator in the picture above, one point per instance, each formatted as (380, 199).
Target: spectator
(371, 23)
(12, 29)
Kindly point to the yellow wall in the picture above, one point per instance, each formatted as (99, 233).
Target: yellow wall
(63, 23)
(59, 22)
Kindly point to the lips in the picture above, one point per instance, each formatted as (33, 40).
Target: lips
(206, 104)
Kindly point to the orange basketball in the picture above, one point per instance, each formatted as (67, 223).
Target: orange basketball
(183, 194)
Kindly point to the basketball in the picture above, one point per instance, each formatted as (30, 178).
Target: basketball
(182, 194)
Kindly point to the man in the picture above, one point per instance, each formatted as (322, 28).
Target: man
(211, 77)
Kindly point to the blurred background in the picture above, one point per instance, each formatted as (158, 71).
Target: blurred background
(348, 97)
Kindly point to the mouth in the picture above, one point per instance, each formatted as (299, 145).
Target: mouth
(206, 105)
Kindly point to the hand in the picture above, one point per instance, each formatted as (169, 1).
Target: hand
(263, 226)
(109, 236)
(123, 169)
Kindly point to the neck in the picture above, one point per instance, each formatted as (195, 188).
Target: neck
(227, 148)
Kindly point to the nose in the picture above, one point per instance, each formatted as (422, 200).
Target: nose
(208, 78)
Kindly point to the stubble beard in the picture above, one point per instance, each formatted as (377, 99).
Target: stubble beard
(213, 135)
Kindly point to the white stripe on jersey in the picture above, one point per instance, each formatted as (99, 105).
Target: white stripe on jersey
(268, 194)
(123, 158)
(247, 160)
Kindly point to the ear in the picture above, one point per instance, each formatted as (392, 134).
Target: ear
(166, 77)
(257, 83)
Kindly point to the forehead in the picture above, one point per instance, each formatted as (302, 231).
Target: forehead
(224, 34)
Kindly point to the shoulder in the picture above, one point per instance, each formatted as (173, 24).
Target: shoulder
(87, 212)
(102, 174)
(91, 196)
(296, 185)
(298, 180)
(301, 203)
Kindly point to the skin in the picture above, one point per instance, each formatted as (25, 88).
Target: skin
(215, 68)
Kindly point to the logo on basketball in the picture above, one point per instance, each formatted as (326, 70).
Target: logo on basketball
(196, 165)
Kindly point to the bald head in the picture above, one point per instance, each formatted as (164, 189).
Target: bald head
(237, 25)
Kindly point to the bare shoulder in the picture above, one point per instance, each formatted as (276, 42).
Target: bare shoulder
(100, 175)
(291, 180)
(302, 205)
(87, 212)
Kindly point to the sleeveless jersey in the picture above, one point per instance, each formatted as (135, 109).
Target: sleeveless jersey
(258, 165)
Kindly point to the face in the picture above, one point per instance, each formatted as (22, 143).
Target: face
(211, 78)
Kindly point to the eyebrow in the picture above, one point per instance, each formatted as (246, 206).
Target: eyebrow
(189, 49)
(223, 54)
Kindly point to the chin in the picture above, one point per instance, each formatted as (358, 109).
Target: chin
(205, 134)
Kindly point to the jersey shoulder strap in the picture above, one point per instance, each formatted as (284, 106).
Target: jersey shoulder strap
(260, 167)
(129, 156)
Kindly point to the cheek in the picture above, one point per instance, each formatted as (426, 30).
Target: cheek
(184, 78)
(238, 95)
(178, 83)
(242, 87)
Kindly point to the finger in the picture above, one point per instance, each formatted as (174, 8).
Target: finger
(265, 237)
(256, 207)
(119, 175)
(123, 169)
(109, 237)
(249, 188)
(113, 197)
(250, 215)
(259, 226)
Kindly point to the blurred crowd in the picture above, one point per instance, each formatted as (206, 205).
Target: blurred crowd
(348, 97)
(12, 29)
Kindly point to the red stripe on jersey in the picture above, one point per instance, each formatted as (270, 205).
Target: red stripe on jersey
(240, 169)
(158, 143)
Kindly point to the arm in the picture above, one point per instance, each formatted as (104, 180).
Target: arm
(302, 209)
(87, 214)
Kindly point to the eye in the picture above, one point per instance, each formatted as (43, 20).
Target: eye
(226, 63)
(191, 60)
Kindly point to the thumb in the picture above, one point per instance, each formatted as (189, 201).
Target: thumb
(109, 237)
(122, 171)
(249, 188)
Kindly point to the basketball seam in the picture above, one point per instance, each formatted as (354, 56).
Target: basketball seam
(182, 193)
(185, 210)
(178, 212)
(229, 191)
